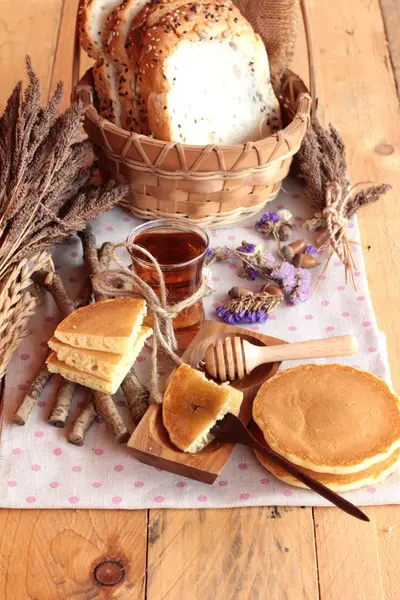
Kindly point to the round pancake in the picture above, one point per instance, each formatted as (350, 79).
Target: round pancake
(329, 418)
(338, 483)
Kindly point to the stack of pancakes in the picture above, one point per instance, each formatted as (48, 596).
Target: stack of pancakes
(340, 425)
(97, 345)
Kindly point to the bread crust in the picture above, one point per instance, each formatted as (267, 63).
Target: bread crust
(190, 22)
(91, 47)
(115, 37)
(102, 86)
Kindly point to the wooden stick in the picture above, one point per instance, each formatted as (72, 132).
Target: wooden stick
(82, 424)
(105, 256)
(104, 403)
(106, 408)
(60, 411)
(136, 396)
(89, 246)
(20, 417)
(53, 284)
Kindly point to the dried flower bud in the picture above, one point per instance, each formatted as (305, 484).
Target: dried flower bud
(285, 216)
(305, 261)
(274, 290)
(239, 292)
(285, 233)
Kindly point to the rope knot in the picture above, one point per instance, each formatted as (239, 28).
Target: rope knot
(126, 282)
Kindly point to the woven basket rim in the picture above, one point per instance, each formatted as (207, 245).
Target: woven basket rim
(86, 84)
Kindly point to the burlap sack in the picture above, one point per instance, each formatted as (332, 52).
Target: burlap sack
(276, 22)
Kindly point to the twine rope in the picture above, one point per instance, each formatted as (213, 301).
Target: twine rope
(126, 282)
(336, 222)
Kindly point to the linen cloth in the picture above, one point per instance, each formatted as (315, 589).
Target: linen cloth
(40, 469)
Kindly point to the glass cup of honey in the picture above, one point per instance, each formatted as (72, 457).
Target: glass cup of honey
(180, 249)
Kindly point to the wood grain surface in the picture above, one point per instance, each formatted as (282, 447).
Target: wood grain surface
(256, 553)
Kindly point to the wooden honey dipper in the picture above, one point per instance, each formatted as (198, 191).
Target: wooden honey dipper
(232, 358)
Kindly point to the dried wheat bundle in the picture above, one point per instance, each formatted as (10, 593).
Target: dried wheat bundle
(45, 196)
(323, 168)
(45, 192)
(16, 306)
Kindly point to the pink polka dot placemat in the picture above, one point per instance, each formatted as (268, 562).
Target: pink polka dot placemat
(40, 469)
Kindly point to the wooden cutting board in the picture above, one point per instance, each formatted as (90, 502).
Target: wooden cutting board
(150, 443)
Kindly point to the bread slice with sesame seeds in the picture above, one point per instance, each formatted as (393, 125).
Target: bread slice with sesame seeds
(115, 35)
(204, 77)
(107, 99)
(147, 17)
(92, 19)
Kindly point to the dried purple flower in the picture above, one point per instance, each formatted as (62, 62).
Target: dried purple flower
(303, 290)
(251, 308)
(286, 276)
(267, 216)
(310, 249)
(295, 282)
(247, 248)
(252, 273)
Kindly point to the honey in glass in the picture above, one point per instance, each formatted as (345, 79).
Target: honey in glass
(179, 248)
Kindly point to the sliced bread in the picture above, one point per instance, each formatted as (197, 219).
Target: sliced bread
(204, 77)
(115, 38)
(92, 19)
(192, 405)
(109, 325)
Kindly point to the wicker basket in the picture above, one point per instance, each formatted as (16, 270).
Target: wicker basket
(208, 185)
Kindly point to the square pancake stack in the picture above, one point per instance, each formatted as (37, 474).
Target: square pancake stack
(97, 345)
(339, 424)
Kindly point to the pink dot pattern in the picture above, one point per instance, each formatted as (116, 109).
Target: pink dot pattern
(45, 470)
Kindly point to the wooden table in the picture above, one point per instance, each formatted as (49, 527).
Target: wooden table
(258, 553)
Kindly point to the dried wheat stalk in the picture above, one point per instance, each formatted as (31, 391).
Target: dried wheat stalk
(323, 168)
(45, 194)
(17, 306)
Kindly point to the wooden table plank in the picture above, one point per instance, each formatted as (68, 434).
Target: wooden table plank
(356, 89)
(27, 28)
(357, 93)
(227, 554)
(391, 15)
(52, 554)
(62, 69)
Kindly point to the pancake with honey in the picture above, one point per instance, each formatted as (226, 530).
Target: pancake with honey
(329, 418)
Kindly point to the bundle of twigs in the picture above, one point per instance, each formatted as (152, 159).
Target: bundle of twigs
(323, 168)
(45, 195)
(136, 394)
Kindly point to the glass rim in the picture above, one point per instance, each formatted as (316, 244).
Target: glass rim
(179, 224)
